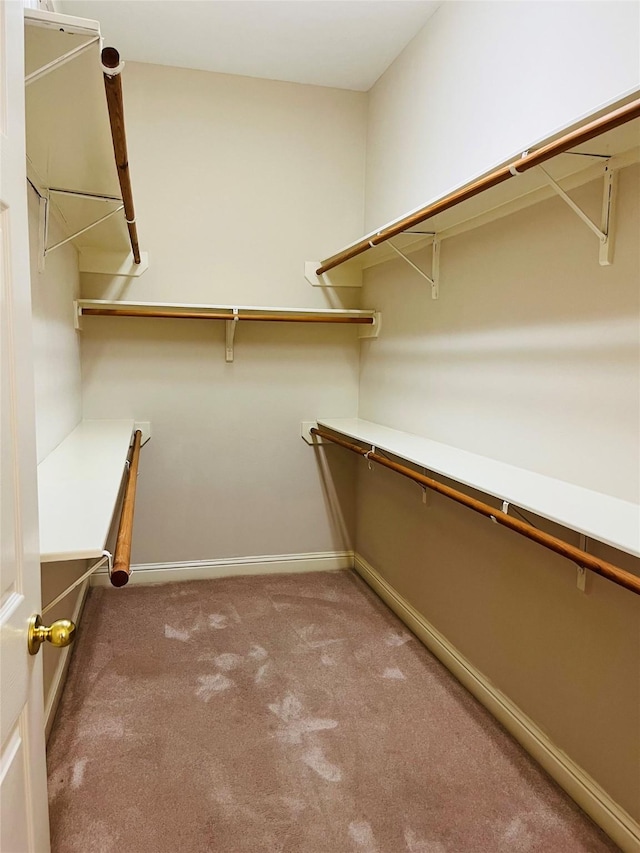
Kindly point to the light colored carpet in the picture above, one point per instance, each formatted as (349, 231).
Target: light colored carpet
(289, 713)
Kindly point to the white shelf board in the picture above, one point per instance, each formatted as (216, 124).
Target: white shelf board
(194, 306)
(617, 148)
(68, 135)
(599, 516)
(78, 487)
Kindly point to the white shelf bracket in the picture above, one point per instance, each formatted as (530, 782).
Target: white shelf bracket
(60, 60)
(608, 210)
(83, 230)
(106, 556)
(434, 278)
(581, 578)
(77, 315)
(230, 336)
(372, 330)
(604, 232)
(43, 231)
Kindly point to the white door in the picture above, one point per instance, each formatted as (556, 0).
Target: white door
(24, 819)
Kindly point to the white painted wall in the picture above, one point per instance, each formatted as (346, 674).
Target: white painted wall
(56, 346)
(237, 182)
(483, 81)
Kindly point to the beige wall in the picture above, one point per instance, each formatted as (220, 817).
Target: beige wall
(531, 356)
(237, 182)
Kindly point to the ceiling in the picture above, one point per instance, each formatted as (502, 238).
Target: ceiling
(347, 44)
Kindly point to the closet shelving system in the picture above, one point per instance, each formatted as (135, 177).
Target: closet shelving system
(596, 148)
(80, 484)
(77, 163)
(77, 159)
(369, 321)
(606, 142)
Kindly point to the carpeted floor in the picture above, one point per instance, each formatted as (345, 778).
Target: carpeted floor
(289, 713)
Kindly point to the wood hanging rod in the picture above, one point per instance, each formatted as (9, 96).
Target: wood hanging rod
(210, 315)
(122, 558)
(115, 103)
(582, 558)
(610, 121)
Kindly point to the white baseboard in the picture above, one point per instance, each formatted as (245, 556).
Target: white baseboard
(593, 799)
(52, 699)
(270, 564)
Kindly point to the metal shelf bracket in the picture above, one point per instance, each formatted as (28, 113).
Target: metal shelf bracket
(434, 278)
(230, 336)
(604, 233)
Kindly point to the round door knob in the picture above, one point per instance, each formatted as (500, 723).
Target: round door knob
(61, 633)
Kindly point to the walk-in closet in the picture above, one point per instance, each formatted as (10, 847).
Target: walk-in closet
(320, 426)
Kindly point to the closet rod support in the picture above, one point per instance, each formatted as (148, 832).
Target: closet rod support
(83, 230)
(433, 279)
(230, 336)
(106, 557)
(605, 231)
(59, 61)
(87, 196)
(43, 231)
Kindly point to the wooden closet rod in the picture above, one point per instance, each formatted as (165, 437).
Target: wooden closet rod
(209, 315)
(122, 559)
(582, 558)
(113, 88)
(576, 137)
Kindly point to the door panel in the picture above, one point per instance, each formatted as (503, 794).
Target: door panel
(23, 791)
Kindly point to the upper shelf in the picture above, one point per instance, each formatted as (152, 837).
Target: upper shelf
(576, 155)
(70, 149)
(607, 519)
(78, 488)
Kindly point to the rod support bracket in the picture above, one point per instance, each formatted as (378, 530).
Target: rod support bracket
(434, 278)
(604, 233)
(230, 333)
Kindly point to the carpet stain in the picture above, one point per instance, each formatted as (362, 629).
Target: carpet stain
(362, 833)
(261, 675)
(394, 673)
(78, 772)
(212, 684)
(397, 639)
(316, 760)
(290, 711)
(218, 621)
(415, 844)
(228, 661)
(258, 653)
(175, 634)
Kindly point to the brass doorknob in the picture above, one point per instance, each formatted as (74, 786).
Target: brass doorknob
(61, 633)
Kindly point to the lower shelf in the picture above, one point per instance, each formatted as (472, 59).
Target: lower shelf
(598, 516)
(78, 488)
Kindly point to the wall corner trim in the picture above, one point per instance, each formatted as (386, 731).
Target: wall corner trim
(269, 564)
(586, 792)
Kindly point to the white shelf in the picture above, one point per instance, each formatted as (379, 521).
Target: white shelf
(586, 162)
(78, 487)
(68, 136)
(599, 516)
(213, 309)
